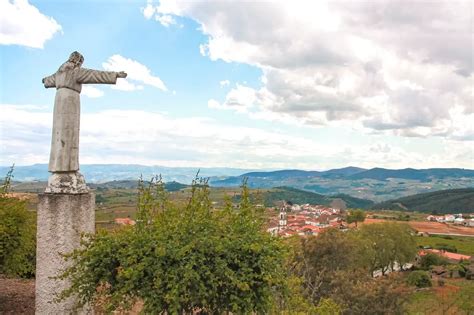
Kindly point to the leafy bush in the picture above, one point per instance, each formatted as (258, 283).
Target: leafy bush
(17, 234)
(419, 278)
(181, 259)
(469, 274)
(337, 265)
(431, 259)
(328, 307)
(446, 247)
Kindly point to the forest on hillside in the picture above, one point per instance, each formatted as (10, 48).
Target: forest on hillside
(443, 201)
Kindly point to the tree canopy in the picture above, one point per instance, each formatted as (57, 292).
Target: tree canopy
(355, 216)
(339, 266)
(17, 234)
(181, 259)
(388, 245)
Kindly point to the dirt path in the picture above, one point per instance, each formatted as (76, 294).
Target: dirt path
(17, 296)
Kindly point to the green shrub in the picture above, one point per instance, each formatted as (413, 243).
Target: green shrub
(17, 235)
(446, 247)
(419, 278)
(179, 259)
(328, 307)
(469, 275)
(456, 269)
(431, 259)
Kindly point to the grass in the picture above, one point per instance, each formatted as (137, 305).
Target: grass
(398, 215)
(464, 245)
(455, 297)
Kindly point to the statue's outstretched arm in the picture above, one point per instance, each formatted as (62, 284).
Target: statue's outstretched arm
(49, 81)
(85, 76)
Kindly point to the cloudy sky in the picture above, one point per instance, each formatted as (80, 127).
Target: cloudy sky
(249, 84)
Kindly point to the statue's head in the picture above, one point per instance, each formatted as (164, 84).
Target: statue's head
(76, 58)
(75, 61)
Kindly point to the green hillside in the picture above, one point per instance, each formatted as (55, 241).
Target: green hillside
(276, 195)
(442, 201)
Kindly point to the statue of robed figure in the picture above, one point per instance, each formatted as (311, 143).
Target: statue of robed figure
(64, 157)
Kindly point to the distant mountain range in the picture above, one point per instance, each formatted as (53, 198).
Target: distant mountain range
(100, 173)
(410, 173)
(377, 184)
(442, 201)
(350, 173)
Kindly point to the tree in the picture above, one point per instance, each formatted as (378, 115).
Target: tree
(388, 245)
(181, 259)
(355, 216)
(360, 294)
(334, 265)
(419, 278)
(431, 259)
(317, 259)
(17, 234)
(328, 307)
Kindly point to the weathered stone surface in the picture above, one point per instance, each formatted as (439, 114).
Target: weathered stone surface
(67, 208)
(66, 183)
(68, 81)
(61, 220)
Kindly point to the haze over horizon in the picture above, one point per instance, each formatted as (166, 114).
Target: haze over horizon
(249, 85)
(238, 168)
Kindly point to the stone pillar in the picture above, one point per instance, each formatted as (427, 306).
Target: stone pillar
(61, 220)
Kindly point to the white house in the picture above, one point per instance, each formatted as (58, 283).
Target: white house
(296, 208)
(459, 221)
(449, 218)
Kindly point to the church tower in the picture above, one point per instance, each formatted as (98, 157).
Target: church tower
(282, 219)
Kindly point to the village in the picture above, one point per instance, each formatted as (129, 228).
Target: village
(310, 220)
(458, 219)
(305, 220)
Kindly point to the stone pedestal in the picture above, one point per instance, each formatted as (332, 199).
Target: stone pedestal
(61, 220)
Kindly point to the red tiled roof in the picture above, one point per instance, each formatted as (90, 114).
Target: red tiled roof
(309, 227)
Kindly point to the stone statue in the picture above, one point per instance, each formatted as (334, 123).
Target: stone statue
(64, 157)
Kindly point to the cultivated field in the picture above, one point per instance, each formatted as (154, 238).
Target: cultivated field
(433, 227)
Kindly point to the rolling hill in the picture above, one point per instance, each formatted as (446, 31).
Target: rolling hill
(276, 195)
(349, 173)
(414, 174)
(443, 201)
(100, 173)
(378, 184)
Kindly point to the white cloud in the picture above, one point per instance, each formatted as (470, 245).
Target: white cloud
(148, 11)
(160, 12)
(165, 20)
(91, 91)
(339, 63)
(240, 98)
(224, 83)
(134, 136)
(125, 85)
(23, 24)
(136, 72)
